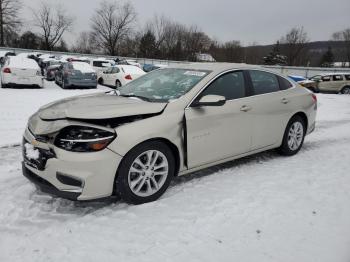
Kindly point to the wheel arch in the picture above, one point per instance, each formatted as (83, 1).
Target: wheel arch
(343, 87)
(174, 149)
(303, 116)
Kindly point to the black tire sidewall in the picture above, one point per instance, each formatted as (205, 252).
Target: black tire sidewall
(121, 182)
(284, 149)
(345, 87)
(116, 84)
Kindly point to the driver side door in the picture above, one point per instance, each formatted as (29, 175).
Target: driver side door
(215, 133)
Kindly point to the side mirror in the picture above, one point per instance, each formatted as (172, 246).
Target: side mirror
(210, 100)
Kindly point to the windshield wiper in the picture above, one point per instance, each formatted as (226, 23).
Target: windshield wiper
(140, 97)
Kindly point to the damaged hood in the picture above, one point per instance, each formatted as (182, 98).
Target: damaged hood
(98, 106)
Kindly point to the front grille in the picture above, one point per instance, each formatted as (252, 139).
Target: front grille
(40, 162)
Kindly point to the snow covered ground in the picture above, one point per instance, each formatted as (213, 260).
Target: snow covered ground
(260, 208)
(16, 105)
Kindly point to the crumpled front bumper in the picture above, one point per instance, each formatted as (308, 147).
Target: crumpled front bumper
(96, 171)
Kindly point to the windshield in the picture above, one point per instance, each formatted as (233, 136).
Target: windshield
(316, 77)
(163, 85)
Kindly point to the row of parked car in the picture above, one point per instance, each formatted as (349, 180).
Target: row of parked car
(329, 83)
(29, 69)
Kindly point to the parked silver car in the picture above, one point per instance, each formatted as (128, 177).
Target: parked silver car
(170, 122)
(76, 74)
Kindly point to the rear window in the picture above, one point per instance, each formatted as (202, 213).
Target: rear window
(132, 70)
(337, 78)
(284, 83)
(101, 64)
(264, 82)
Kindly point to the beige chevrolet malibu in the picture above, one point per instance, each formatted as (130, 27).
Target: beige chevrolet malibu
(170, 122)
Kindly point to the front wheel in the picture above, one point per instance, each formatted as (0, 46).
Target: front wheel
(293, 138)
(346, 90)
(145, 173)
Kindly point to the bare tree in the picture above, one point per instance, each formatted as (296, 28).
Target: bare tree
(111, 24)
(294, 43)
(53, 22)
(345, 37)
(9, 20)
(83, 43)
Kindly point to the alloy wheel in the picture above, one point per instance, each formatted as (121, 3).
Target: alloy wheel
(295, 136)
(148, 173)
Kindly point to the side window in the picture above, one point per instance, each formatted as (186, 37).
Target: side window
(326, 78)
(264, 82)
(115, 70)
(230, 85)
(337, 78)
(347, 77)
(284, 83)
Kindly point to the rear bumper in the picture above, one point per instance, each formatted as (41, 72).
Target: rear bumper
(81, 83)
(35, 81)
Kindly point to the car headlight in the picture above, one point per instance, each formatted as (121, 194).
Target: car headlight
(83, 139)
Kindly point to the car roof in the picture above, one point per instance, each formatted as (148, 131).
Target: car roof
(22, 62)
(215, 67)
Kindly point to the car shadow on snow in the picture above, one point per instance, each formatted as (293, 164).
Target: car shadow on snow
(62, 206)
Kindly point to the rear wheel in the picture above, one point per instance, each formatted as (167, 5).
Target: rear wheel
(100, 81)
(118, 84)
(346, 90)
(145, 173)
(294, 135)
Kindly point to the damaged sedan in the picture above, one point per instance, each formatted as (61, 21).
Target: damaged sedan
(173, 121)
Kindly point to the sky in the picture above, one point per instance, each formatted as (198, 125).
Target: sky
(249, 21)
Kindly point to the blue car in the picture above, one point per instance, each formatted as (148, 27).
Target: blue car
(297, 78)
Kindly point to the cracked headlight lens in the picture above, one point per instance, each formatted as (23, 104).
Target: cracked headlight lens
(83, 139)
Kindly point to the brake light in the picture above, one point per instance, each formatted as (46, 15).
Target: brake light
(314, 97)
(7, 70)
(128, 77)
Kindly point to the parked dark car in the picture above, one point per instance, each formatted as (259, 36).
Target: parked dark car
(51, 72)
(47, 63)
(76, 74)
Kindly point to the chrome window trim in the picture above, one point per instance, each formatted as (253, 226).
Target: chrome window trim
(240, 69)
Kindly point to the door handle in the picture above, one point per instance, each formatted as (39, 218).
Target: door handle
(246, 108)
(285, 101)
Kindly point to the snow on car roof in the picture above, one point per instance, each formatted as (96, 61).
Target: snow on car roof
(22, 62)
(3, 53)
(130, 68)
(83, 67)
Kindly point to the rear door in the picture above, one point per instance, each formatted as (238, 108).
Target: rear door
(218, 132)
(337, 83)
(272, 106)
(115, 74)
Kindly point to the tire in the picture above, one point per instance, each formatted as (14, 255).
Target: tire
(118, 84)
(345, 90)
(100, 81)
(288, 147)
(144, 178)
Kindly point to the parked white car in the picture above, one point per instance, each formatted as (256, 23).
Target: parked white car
(120, 75)
(20, 72)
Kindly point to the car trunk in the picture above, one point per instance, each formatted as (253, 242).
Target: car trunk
(23, 72)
